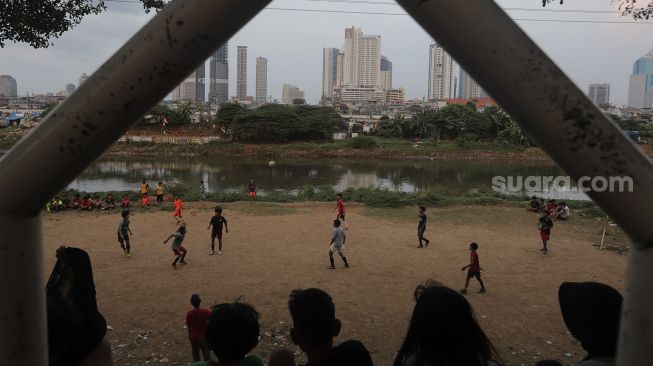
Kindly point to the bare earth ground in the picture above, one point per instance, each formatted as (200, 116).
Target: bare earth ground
(272, 249)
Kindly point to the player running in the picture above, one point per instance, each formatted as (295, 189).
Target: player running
(216, 222)
(338, 239)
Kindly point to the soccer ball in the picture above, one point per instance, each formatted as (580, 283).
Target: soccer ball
(271, 163)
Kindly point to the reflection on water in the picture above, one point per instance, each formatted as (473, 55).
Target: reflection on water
(228, 174)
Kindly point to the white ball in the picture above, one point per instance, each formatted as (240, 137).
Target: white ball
(272, 163)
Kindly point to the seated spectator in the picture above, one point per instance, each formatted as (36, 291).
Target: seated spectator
(54, 205)
(97, 204)
(196, 320)
(551, 206)
(76, 203)
(125, 202)
(231, 333)
(145, 201)
(443, 331)
(314, 327)
(562, 212)
(87, 203)
(534, 205)
(591, 312)
(109, 202)
(542, 205)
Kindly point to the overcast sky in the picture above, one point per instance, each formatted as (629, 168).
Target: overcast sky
(292, 42)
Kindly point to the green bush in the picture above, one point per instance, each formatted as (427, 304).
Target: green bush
(363, 142)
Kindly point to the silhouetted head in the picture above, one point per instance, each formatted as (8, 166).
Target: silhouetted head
(422, 208)
(314, 319)
(443, 330)
(232, 331)
(546, 213)
(591, 312)
(339, 195)
(218, 210)
(124, 213)
(195, 300)
(144, 181)
(473, 247)
(336, 223)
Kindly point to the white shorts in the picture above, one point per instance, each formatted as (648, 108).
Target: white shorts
(337, 248)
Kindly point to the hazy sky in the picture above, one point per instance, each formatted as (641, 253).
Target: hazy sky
(292, 42)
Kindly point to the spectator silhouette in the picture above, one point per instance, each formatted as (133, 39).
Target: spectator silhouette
(591, 312)
(444, 332)
(231, 333)
(314, 327)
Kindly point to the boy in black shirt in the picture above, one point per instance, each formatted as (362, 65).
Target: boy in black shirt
(421, 228)
(314, 327)
(216, 222)
(544, 225)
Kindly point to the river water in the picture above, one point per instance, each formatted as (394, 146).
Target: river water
(228, 174)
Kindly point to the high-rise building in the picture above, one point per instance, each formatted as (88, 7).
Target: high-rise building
(8, 86)
(386, 73)
(442, 82)
(599, 94)
(469, 88)
(261, 80)
(329, 71)
(640, 89)
(82, 79)
(192, 88)
(70, 88)
(290, 93)
(340, 65)
(241, 71)
(362, 59)
(219, 75)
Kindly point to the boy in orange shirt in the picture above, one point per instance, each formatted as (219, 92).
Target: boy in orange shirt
(178, 209)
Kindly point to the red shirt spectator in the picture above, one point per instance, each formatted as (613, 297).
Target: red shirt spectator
(195, 321)
(474, 266)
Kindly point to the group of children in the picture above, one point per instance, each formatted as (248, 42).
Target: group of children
(78, 203)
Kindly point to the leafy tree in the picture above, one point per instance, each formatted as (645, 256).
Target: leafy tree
(397, 125)
(452, 120)
(627, 8)
(275, 122)
(48, 108)
(37, 22)
(228, 112)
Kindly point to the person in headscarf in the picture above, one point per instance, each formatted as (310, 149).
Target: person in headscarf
(591, 312)
(76, 328)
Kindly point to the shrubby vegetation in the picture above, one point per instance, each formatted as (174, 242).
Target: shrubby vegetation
(276, 122)
(455, 122)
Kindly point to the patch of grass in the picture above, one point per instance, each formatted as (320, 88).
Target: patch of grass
(261, 208)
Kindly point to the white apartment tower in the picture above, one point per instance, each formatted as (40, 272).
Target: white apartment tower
(261, 80)
(290, 93)
(361, 59)
(340, 66)
(469, 88)
(599, 94)
(241, 71)
(329, 71)
(192, 88)
(442, 82)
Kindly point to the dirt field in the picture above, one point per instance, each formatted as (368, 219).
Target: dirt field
(272, 249)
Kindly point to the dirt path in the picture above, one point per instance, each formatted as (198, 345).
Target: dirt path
(272, 249)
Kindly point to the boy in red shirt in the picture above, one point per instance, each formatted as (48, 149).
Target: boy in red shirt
(340, 206)
(474, 269)
(196, 320)
(178, 209)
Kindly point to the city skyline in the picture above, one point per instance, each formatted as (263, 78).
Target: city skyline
(47, 70)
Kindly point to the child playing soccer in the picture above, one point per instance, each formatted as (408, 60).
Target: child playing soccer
(159, 193)
(421, 228)
(544, 225)
(178, 209)
(251, 187)
(124, 232)
(474, 269)
(177, 248)
(216, 222)
(337, 244)
(340, 206)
